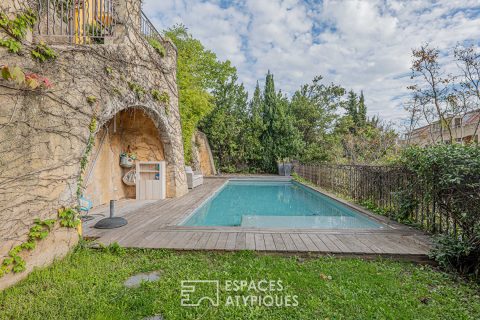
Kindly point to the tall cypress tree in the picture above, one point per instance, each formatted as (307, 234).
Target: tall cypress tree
(280, 139)
(268, 113)
(352, 109)
(362, 111)
(255, 131)
(352, 106)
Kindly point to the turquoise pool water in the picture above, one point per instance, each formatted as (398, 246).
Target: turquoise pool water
(265, 204)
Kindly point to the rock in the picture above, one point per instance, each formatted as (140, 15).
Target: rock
(136, 280)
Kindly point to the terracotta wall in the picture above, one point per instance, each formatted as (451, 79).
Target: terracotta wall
(133, 128)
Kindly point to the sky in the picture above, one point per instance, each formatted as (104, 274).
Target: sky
(361, 45)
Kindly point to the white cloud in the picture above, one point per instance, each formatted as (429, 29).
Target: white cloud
(363, 45)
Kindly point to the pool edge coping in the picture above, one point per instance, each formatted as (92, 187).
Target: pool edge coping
(385, 221)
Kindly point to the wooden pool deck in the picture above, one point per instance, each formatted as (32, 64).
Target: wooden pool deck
(154, 224)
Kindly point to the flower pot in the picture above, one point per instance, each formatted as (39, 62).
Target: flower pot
(126, 162)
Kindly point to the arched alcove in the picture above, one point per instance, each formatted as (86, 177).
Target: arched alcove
(130, 130)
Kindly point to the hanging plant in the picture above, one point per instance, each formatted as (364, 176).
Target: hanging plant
(127, 159)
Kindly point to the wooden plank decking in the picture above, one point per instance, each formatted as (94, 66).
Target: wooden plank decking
(155, 225)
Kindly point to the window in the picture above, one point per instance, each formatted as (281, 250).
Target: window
(459, 139)
(458, 122)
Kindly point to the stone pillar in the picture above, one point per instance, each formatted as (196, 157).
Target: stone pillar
(128, 19)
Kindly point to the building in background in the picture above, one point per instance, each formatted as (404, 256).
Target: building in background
(465, 129)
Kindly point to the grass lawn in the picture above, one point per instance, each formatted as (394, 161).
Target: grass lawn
(88, 284)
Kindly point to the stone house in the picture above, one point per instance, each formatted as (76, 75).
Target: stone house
(82, 72)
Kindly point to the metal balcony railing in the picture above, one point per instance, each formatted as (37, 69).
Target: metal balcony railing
(148, 29)
(76, 21)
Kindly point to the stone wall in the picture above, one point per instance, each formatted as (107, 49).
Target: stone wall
(44, 132)
(202, 154)
(133, 131)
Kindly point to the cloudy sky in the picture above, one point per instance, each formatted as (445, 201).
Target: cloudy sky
(362, 45)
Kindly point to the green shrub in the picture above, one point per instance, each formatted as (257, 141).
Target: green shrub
(449, 176)
(158, 47)
(457, 254)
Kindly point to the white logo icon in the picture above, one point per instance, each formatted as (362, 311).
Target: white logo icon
(195, 291)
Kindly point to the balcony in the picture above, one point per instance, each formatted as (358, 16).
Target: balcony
(76, 21)
(84, 22)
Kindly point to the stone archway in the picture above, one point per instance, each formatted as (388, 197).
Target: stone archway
(133, 130)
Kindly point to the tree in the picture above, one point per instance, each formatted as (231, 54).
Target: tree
(468, 60)
(314, 108)
(351, 107)
(371, 144)
(226, 125)
(280, 138)
(199, 72)
(362, 111)
(255, 129)
(267, 137)
(434, 89)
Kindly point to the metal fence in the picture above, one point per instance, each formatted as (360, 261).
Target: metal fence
(148, 29)
(381, 188)
(76, 21)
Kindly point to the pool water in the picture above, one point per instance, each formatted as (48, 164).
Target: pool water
(272, 204)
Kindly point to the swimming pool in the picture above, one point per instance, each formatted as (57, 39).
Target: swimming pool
(276, 204)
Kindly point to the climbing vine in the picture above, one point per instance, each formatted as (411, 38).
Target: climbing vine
(159, 48)
(29, 80)
(42, 52)
(16, 29)
(84, 76)
(14, 262)
(163, 98)
(137, 89)
(11, 44)
(68, 217)
(88, 150)
(160, 97)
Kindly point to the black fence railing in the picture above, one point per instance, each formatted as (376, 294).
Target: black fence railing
(148, 29)
(382, 188)
(76, 21)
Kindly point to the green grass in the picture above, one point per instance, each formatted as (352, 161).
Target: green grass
(88, 284)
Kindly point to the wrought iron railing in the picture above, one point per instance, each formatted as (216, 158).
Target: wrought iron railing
(148, 29)
(76, 21)
(379, 188)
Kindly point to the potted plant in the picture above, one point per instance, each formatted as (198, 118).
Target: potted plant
(127, 159)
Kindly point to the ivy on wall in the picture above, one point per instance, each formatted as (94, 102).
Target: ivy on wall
(88, 150)
(159, 48)
(16, 29)
(43, 53)
(67, 217)
(20, 79)
(24, 79)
